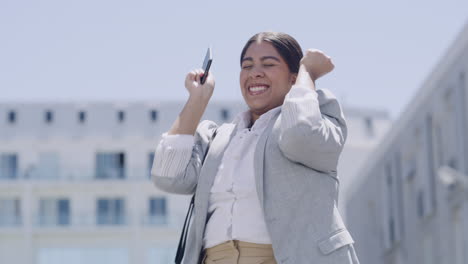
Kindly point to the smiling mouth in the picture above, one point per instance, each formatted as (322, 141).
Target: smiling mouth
(257, 89)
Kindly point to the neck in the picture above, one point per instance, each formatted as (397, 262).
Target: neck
(253, 118)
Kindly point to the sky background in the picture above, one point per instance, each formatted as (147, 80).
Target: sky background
(141, 50)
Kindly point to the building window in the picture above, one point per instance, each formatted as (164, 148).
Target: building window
(430, 160)
(458, 231)
(110, 211)
(8, 166)
(12, 117)
(399, 196)
(390, 204)
(411, 171)
(82, 117)
(369, 126)
(463, 123)
(420, 204)
(154, 115)
(89, 253)
(49, 117)
(54, 212)
(440, 146)
(225, 114)
(110, 165)
(121, 116)
(453, 163)
(10, 212)
(391, 230)
(150, 163)
(157, 211)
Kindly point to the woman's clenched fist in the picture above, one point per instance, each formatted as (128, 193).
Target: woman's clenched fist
(317, 63)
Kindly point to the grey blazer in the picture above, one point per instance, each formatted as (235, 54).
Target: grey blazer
(296, 179)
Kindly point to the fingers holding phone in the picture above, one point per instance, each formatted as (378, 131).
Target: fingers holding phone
(200, 82)
(195, 87)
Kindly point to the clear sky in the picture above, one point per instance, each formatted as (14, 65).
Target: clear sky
(141, 50)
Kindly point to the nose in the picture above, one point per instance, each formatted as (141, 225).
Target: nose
(256, 72)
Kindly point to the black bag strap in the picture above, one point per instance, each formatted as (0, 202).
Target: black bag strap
(183, 236)
(185, 229)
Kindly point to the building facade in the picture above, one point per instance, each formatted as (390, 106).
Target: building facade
(75, 181)
(411, 203)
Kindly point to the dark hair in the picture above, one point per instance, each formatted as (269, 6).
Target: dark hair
(287, 47)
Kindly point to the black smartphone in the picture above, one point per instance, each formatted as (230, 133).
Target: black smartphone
(206, 65)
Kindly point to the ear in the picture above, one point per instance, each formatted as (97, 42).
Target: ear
(293, 78)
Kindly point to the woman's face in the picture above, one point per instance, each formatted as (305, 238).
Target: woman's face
(265, 78)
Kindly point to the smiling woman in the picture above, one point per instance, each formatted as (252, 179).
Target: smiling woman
(266, 183)
(269, 62)
(265, 78)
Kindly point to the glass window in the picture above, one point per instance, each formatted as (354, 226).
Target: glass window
(369, 126)
(453, 163)
(121, 116)
(53, 212)
(12, 117)
(63, 211)
(157, 211)
(430, 160)
(82, 117)
(399, 196)
(110, 211)
(10, 212)
(390, 203)
(8, 166)
(150, 163)
(463, 119)
(154, 115)
(225, 114)
(49, 116)
(420, 203)
(110, 165)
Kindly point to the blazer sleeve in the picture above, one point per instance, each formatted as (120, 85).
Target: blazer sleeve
(176, 167)
(313, 128)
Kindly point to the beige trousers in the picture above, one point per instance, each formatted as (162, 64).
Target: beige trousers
(239, 252)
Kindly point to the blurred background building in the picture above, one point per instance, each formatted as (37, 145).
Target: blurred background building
(410, 205)
(75, 181)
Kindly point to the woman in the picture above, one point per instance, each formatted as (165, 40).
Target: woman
(266, 184)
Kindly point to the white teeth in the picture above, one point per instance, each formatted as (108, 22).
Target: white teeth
(257, 88)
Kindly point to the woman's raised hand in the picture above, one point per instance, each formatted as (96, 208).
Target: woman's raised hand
(317, 63)
(194, 86)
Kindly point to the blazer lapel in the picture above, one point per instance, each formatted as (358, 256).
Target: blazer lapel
(208, 173)
(259, 157)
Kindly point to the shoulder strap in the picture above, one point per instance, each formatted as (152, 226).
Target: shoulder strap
(185, 229)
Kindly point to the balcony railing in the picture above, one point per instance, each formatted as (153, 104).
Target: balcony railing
(10, 221)
(91, 220)
(103, 220)
(140, 175)
(155, 220)
(53, 220)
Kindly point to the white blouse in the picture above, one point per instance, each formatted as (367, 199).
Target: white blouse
(234, 206)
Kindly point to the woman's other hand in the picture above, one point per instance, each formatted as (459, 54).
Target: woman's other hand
(317, 63)
(194, 86)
